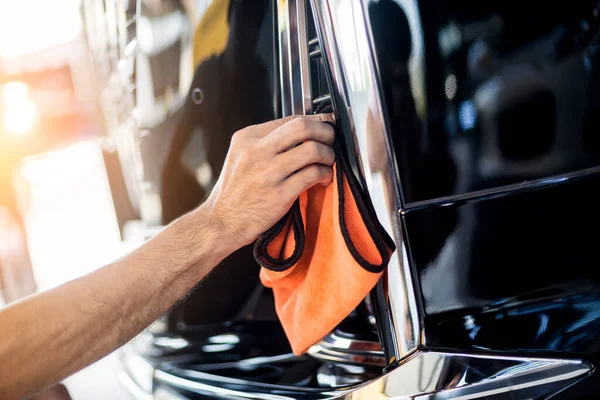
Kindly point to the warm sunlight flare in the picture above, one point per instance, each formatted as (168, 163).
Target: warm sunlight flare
(24, 32)
(18, 110)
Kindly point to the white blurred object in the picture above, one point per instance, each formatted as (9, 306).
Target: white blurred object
(19, 112)
(72, 230)
(156, 34)
(28, 26)
(70, 218)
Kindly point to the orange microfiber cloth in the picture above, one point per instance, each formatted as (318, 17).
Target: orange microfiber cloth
(323, 257)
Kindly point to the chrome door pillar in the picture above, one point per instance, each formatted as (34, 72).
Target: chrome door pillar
(347, 46)
(293, 58)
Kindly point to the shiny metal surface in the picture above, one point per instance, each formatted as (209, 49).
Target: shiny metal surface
(293, 58)
(348, 350)
(346, 45)
(507, 190)
(422, 376)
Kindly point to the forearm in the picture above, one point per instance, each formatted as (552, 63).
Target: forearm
(45, 338)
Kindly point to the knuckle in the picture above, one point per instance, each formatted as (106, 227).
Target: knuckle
(330, 154)
(314, 173)
(313, 150)
(243, 160)
(330, 130)
(289, 118)
(326, 172)
(329, 134)
(300, 123)
(325, 117)
(237, 138)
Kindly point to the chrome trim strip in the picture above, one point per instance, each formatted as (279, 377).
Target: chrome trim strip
(249, 363)
(315, 53)
(322, 352)
(294, 62)
(335, 340)
(237, 388)
(347, 48)
(347, 350)
(426, 375)
(506, 190)
(321, 99)
(305, 96)
(198, 387)
(313, 41)
(285, 79)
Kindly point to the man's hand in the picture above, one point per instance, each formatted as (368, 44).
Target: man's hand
(47, 337)
(267, 168)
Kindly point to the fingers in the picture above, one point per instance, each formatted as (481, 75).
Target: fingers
(262, 130)
(328, 117)
(306, 178)
(265, 129)
(307, 153)
(297, 131)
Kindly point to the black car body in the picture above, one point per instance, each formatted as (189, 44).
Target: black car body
(472, 125)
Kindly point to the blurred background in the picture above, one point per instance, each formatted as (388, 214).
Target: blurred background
(92, 99)
(55, 197)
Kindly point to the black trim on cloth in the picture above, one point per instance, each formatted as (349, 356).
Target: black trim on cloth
(261, 253)
(383, 242)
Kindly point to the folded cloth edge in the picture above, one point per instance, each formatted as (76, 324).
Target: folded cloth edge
(383, 242)
(260, 252)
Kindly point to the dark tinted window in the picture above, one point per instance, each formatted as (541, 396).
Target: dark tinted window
(481, 94)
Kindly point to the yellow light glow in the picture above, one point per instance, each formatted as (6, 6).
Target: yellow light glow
(18, 110)
(14, 93)
(19, 119)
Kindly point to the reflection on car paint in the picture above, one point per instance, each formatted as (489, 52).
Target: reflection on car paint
(479, 96)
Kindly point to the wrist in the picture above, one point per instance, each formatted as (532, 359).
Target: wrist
(207, 237)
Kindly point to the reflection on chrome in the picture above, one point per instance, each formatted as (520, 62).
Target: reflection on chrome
(170, 342)
(426, 375)
(293, 58)
(340, 349)
(346, 45)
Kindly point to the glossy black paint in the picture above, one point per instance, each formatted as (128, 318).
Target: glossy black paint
(485, 94)
(493, 110)
(237, 89)
(247, 356)
(212, 345)
(515, 272)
